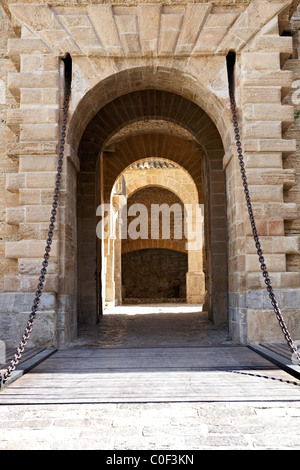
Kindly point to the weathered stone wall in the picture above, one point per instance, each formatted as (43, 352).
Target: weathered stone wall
(7, 165)
(18, 268)
(154, 275)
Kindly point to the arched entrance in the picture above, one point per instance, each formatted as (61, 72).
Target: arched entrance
(142, 124)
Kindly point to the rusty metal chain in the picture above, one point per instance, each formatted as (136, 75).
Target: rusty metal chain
(286, 333)
(42, 278)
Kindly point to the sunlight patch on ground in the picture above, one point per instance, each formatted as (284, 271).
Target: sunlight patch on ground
(142, 309)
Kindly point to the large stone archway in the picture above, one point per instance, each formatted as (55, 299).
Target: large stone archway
(125, 74)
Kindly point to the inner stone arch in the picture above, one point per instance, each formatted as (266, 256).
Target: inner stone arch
(167, 198)
(160, 274)
(182, 83)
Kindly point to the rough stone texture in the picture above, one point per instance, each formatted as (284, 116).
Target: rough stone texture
(135, 62)
(155, 274)
(153, 426)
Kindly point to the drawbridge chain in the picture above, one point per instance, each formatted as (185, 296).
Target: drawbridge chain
(42, 278)
(285, 331)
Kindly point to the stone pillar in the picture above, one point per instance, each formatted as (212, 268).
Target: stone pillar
(195, 278)
(118, 271)
(36, 124)
(195, 287)
(113, 253)
(109, 278)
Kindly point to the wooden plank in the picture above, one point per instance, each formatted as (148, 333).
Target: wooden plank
(196, 386)
(26, 365)
(27, 354)
(283, 362)
(92, 375)
(163, 358)
(280, 348)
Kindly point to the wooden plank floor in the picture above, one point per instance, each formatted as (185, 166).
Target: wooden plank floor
(127, 375)
(279, 348)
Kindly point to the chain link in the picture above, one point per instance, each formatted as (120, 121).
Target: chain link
(263, 266)
(42, 278)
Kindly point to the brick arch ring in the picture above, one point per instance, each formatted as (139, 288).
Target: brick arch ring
(186, 191)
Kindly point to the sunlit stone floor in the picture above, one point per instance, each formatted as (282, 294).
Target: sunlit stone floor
(170, 325)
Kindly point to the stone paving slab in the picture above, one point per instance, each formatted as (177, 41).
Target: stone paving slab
(157, 426)
(231, 417)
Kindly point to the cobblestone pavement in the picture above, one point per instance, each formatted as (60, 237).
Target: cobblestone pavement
(147, 426)
(153, 325)
(152, 426)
